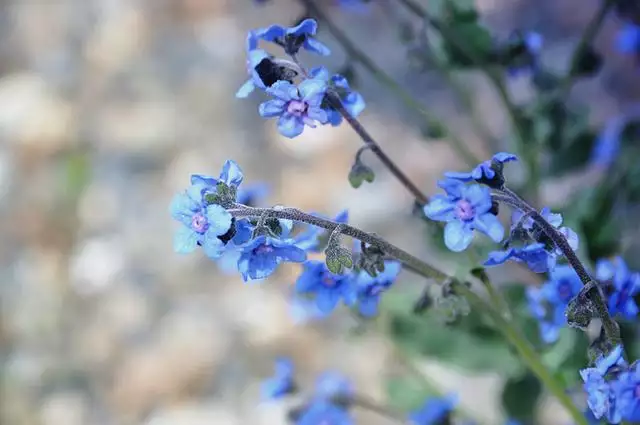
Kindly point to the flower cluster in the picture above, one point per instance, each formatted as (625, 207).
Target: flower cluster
(312, 100)
(333, 397)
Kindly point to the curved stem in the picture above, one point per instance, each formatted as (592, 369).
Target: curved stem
(294, 214)
(611, 329)
(377, 150)
(355, 53)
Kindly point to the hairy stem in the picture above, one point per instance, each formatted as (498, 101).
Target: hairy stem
(611, 328)
(294, 214)
(356, 54)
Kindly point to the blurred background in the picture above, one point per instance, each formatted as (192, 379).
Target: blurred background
(107, 107)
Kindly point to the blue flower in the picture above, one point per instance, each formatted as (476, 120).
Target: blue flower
(601, 393)
(328, 288)
(628, 40)
(626, 389)
(251, 195)
(626, 286)
(292, 39)
(352, 101)
(434, 410)
(304, 309)
(548, 303)
(331, 385)
(282, 381)
(535, 256)
(209, 226)
(231, 175)
(263, 72)
(465, 208)
(295, 106)
(607, 145)
(261, 256)
(485, 172)
(368, 289)
(528, 60)
(552, 218)
(322, 412)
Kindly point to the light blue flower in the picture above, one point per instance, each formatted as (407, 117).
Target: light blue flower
(322, 412)
(282, 381)
(231, 175)
(368, 289)
(603, 394)
(485, 172)
(352, 101)
(260, 257)
(465, 208)
(628, 40)
(327, 288)
(295, 106)
(202, 225)
(535, 256)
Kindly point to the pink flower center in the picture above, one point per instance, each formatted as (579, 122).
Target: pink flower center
(297, 108)
(464, 210)
(328, 281)
(199, 223)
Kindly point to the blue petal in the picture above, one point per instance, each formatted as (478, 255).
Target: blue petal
(313, 45)
(271, 33)
(465, 177)
(478, 196)
(571, 237)
(204, 180)
(628, 40)
(504, 157)
(317, 114)
(452, 187)
(185, 240)
(290, 126)
(272, 108)
(497, 258)
(440, 208)
(213, 247)
(354, 103)
(252, 41)
(244, 230)
(246, 89)
(231, 173)
(183, 207)
(457, 236)
(219, 220)
(327, 300)
(368, 307)
(292, 254)
(283, 90)
(605, 270)
(490, 226)
(553, 218)
(311, 88)
(307, 27)
(320, 73)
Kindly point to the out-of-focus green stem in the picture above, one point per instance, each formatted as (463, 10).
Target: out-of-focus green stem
(356, 54)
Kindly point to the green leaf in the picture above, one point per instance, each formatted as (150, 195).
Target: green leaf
(520, 396)
(337, 258)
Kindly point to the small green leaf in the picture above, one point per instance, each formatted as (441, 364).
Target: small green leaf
(520, 397)
(359, 173)
(338, 258)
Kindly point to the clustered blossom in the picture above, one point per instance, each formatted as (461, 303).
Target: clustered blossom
(621, 285)
(613, 388)
(306, 103)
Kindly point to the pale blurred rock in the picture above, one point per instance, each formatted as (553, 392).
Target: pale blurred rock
(64, 408)
(97, 263)
(99, 206)
(34, 116)
(7, 175)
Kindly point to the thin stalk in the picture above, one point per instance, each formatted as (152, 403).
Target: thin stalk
(355, 53)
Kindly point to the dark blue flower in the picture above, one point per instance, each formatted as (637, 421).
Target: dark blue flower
(535, 256)
(465, 208)
(352, 101)
(295, 106)
(601, 393)
(331, 385)
(261, 256)
(628, 40)
(203, 225)
(292, 39)
(434, 410)
(328, 288)
(282, 381)
(368, 289)
(552, 218)
(485, 172)
(548, 303)
(626, 286)
(322, 412)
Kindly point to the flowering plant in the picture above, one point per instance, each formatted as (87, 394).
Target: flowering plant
(219, 216)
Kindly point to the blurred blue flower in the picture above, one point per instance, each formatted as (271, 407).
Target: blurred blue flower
(601, 396)
(203, 225)
(293, 38)
(626, 390)
(535, 256)
(485, 172)
(305, 309)
(434, 411)
(330, 385)
(295, 106)
(626, 285)
(282, 381)
(465, 208)
(527, 60)
(548, 303)
(607, 145)
(352, 101)
(368, 289)
(628, 40)
(328, 288)
(251, 195)
(261, 256)
(321, 412)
